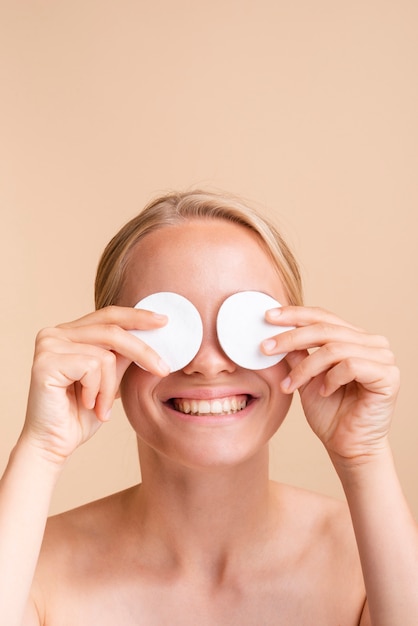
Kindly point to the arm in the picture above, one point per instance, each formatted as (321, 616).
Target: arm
(348, 383)
(25, 492)
(387, 538)
(75, 377)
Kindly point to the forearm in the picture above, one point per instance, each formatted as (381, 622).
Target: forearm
(25, 494)
(387, 538)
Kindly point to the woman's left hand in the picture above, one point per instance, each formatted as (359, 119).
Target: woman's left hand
(347, 379)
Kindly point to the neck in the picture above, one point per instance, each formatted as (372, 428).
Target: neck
(205, 514)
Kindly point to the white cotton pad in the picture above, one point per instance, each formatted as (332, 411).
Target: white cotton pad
(179, 340)
(241, 328)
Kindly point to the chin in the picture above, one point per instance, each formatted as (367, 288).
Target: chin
(203, 454)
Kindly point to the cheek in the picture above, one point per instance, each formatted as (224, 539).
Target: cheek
(279, 401)
(273, 376)
(136, 393)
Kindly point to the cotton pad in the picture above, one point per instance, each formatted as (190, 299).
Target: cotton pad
(241, 328)
(179, 340)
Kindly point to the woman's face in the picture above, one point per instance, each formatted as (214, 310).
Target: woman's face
(205, 261)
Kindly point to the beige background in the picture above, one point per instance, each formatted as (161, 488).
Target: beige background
(308, 108)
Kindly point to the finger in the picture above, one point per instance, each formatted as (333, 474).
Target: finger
(108, 386)
(128, 318)
(109, 337)
(96, 375)
(293, 359)
(62, 372)
(319, 334)
(320, 361)
(305, 316)
(90, 381)
(381, 379)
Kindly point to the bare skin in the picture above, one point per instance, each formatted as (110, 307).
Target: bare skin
(300, 567)
(207, 538)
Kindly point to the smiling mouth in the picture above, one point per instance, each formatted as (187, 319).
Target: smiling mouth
(215, 406)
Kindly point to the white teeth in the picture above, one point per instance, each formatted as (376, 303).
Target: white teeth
(217, 406)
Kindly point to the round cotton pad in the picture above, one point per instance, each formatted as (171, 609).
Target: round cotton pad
(241, 328)
(179, 340)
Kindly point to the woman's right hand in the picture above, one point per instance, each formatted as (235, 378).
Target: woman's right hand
(76, 374)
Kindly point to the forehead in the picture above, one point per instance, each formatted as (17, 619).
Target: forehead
(200, 259)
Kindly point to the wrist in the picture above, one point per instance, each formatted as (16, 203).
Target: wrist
(30, 450)
(354, 467)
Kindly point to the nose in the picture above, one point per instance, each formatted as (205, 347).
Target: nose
(210, 360)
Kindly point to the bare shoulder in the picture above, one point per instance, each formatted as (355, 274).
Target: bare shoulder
(89, 572)
(315, 512)
(78, 545)
(322, 537)
(86, 528)
(321, 553)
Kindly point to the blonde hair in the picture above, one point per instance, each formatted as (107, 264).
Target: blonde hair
(176, 208)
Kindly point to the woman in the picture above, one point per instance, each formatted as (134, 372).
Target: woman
(207, 538)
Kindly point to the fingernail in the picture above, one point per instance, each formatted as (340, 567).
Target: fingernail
(274, 313)
(285, 384)
(159, 316)
(269, 344)
(163, 367)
